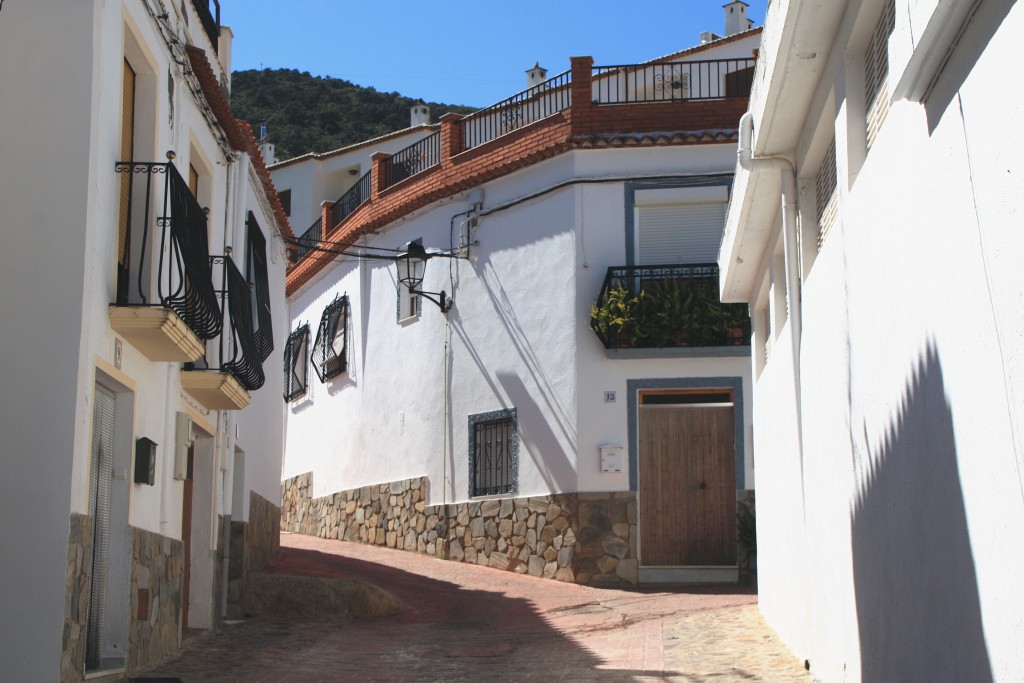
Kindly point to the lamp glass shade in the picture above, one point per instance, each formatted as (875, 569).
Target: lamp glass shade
(410, 265)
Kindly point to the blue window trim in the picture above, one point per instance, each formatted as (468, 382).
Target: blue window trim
(631, 190)
(635, 386)
(513, 447)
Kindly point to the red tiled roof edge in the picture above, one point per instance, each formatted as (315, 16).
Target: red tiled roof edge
(239, 133)
(357, 145)
(707, 46)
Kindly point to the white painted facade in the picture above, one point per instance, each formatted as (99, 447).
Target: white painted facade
(518, 333)
(59, 210)
(891, 465)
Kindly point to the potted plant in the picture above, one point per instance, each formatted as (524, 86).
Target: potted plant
(616, 319)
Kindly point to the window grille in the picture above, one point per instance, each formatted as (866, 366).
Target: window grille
(331, 339)
(259, 284)
(876, 72)
(296, 354)
(826, 196)
(493, 453)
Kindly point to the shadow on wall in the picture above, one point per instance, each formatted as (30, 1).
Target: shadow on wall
(916, 588)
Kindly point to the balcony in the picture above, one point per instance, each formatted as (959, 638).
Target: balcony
(586, 107)
(210, 18)
(670, 306)
(165, 304)
(233, 367)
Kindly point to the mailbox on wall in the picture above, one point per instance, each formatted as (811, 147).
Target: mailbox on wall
(145, 461)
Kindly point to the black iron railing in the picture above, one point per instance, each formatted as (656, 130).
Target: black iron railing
(350, 201)
(237, 349)
(172, 268)
(259, 286)
(701, 80)
(210, 19)
(417, 157)
(329, 356)
(667, 306)
(532, 104)
(296, 365)
(309, 240)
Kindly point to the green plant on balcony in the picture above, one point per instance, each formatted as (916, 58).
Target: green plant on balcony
(617, 318)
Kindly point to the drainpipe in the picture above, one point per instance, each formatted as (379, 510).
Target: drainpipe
(787, 173)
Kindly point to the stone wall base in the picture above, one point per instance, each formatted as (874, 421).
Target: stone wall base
(585, 538)
(77, 587)
(154, 629)
(253, 545)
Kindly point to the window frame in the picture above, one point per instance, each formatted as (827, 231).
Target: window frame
(295, 348)
(510, 484)
(256, 274)
(328, 361)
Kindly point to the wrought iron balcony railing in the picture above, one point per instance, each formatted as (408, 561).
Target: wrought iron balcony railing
(309, 240)
(163, 257)
(350, 201)
(700, 80)
(237, 350)
(416, 157)
(532, 104)
(666, 306)
(210, 18)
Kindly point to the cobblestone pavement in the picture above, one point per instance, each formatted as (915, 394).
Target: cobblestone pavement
(466, 623)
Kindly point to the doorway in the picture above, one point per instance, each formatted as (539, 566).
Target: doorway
(687, 485)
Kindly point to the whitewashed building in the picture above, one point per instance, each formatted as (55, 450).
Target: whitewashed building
(479, 406)
(142, 276)
(874, 229)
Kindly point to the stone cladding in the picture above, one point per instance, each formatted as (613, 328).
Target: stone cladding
(585, 538)
(154, 630)
(253, 545)
(76, 601)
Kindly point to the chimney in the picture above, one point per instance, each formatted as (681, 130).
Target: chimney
(266, 147)
(419, 115)
(224, 54)
(536, 75)
(736, 20)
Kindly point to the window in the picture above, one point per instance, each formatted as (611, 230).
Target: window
(331, 339)
(826, 195)
(876, 72)
(493, 453)
(259, 285)
(678, 225)
(296, 354)
(286, 201)
(410, 305)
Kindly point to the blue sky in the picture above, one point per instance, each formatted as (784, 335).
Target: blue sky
(471, 52)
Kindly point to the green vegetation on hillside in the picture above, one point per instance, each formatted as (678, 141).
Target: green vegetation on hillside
(307, 113)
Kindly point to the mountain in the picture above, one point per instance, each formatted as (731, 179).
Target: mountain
(306, 113)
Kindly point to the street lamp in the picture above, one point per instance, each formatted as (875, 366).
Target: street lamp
(412, 259)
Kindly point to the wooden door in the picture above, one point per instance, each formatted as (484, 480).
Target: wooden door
(125, 153)
(687, 485)
(186, 538)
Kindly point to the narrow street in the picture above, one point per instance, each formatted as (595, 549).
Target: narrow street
(466, 623)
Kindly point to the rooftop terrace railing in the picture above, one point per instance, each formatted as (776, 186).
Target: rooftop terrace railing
(699, 80)
(210, 19)
(532, 104)
(309, 240)
(417, 157)
(350, 201)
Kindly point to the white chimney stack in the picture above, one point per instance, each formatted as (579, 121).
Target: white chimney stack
(419, 115)
(536, 75)
(224, 54)
(736, 20)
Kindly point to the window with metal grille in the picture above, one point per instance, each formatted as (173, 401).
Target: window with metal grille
(259, 285)
(329, 358)
(876, 72)
(826, 195)
(493, 453)
(296, 355)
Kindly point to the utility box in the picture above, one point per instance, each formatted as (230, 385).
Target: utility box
(612, 459)
(145, 461)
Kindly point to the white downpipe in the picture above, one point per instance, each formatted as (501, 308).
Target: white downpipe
(787, 173)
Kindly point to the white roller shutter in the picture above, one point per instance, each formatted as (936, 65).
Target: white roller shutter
(689, 233)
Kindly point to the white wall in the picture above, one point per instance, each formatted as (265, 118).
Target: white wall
(519, 337)
(885, 546)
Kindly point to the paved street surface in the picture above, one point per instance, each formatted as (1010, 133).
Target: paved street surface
(467, 623)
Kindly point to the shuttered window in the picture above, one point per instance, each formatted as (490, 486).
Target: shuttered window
(876, 72)
(684, 233)
(826, 195)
